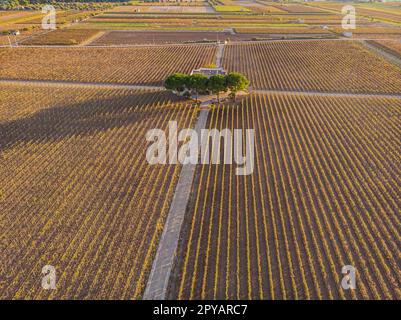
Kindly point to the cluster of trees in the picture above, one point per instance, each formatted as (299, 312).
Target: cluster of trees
(201, 84)
(74, 4)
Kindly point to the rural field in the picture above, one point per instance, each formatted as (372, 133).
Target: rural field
(75, 191)
(140, 65)
(79, 101)
(332, 66)
(323, 194)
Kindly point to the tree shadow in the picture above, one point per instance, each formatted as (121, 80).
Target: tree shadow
(83, 118)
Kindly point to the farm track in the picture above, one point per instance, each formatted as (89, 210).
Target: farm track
(100, 85)
(323, 195)
(158, 282)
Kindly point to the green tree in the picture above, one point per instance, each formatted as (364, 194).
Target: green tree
(216, 84)
(198, 83)
(176, 81)
(236, 82)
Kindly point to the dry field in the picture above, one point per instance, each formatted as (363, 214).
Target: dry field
(163, 8)
(386, 14)
(265, 9)
(393, 46)
(62, 17)
(288, 30)
(11, 17)
(161, 37)
(320, 19)
(368, 30)
(298, 8)
(391, 15)
(321, 65)
(173, 9)
(163, 23)
(62, 37)
(75, 192)
(324, 193)
(5, 39)
(143, 65)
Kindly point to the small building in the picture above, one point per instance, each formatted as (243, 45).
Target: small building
(15, 32)
(208, 72)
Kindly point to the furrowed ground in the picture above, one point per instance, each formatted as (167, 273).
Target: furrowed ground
(162, 37)
(142, 65)
(324, 194)
(62, 37)
(76, 190)
(391, 46)
(333, 66)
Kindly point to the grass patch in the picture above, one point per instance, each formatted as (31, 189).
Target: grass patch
(231, 9)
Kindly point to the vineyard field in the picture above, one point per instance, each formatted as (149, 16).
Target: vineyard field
(283, 30)
(137, 37)
(324, 193)
(75, 192)
(391, 46)
(321, 65)
(62, 37)
(142, 65)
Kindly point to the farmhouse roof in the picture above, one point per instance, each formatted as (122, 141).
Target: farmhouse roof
(209, 71)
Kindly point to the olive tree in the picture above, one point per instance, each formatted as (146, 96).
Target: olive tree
(236, 82)
(216, 84)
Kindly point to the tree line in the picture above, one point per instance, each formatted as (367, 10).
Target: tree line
(15, 4)
(200, 84)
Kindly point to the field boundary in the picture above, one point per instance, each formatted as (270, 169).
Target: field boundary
(92, 39)
(219, 55)
(386, 55)
(93, 46)
(105, 85)
(157, 285)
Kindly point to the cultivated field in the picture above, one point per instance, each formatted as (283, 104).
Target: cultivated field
(364, 10)
(76, 193)
(284, 30)
(143, 65)
(161, 37)
(62, 37)
(392, 46)
(321, 65)
(160, 8)
(324, 193)
(298, 8)
(372, 32)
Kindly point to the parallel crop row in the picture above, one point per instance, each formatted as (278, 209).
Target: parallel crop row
(324, 194)
(337, 66)
(141, 65)
(77, 192)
